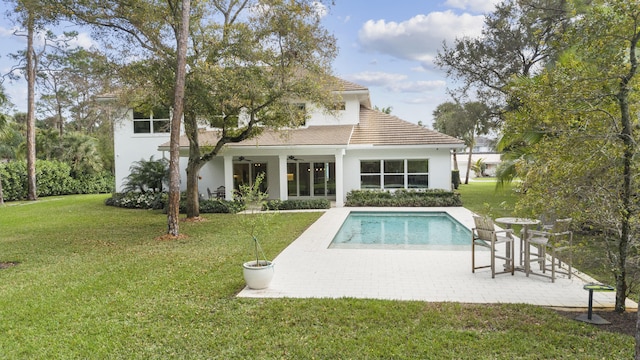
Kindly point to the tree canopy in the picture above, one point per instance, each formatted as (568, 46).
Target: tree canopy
(584, 112)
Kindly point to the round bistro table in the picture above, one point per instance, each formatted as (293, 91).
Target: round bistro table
(525, 222)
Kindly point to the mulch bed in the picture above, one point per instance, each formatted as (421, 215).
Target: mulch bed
(624, 323)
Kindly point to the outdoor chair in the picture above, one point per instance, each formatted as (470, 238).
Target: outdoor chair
(209, 193)
(485, 235)
(220, 192)
(551, 242)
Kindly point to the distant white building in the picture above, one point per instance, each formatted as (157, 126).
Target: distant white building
(357, 148)
(483, 150)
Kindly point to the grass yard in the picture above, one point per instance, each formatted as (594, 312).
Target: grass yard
(93, 281)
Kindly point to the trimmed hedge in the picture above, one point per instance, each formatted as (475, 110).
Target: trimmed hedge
(406, 198)
(211, 206)
(52, 178)
(159, 200)
(297, 204)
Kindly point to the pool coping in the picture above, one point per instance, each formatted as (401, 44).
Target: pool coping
(308, 268)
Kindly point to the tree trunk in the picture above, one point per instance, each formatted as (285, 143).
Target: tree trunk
(193, 199)
(455, 160)
(628, 209)
(466, 178)
(194, 165)
(1, 193)
(638, 333)
(627, 194)
(31, 109)
(178, 109)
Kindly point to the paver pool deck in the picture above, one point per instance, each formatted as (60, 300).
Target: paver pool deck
(308, 268)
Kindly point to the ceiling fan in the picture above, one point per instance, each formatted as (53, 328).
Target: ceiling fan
(293, 158)
(242, 158)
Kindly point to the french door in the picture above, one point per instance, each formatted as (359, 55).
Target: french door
(311, 179)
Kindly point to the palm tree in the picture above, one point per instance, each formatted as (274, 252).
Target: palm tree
(80, 151)
(147, 175)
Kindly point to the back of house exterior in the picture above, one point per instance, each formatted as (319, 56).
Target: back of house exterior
(351, 148)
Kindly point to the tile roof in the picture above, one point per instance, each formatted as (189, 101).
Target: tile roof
(375, 128)
(312, 135)
(378, 128)
(345, 85)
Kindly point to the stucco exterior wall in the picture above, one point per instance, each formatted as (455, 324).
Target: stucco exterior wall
(130, 147)
(439, 164)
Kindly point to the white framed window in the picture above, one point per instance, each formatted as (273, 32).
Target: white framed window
(394, 174)
(151, 121)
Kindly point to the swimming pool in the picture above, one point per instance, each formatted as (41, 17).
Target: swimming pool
(401, 230)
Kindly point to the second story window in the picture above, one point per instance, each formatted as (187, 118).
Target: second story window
(151, 121)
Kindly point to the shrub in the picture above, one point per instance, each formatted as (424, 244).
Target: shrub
(216, 206)
(455, 178)
(158, 201)
(138, 200)
(52, 178)
(298, 204)
(147, 175)
(408, 198)
(95, 184)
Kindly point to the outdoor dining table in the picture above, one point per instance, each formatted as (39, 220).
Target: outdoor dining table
(509, 222)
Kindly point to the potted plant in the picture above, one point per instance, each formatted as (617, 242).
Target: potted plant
(255, 221)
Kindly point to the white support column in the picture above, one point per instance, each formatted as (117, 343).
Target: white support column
(228, 177)
(340, 195)
(282, 176)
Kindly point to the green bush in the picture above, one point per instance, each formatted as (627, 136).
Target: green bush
(406, 198)
(159, 201)
(455, 178)
(52, 178)
(14, 180)
(95, 184)
(138, 200)
(216, 206)
(298, 204)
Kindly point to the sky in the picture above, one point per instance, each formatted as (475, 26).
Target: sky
(385, 45)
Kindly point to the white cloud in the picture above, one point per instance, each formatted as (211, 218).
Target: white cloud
(481, 6)
(397, 83)
(320, 9)
(374, 78)
(418, 86)
(4, 32)
(84, 41)
(418, 38)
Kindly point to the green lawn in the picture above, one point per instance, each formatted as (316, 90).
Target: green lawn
(96, 282)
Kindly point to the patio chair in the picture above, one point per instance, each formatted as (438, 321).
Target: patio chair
(485, 235)
(553, 241)
(209, 193)
(220, 192)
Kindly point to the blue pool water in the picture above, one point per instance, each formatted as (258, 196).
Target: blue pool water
(403, 230)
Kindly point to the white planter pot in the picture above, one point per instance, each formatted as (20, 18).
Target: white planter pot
(258, 277)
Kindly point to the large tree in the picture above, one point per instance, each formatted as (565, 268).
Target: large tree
(3, 126)
(584, 162)
(263, 56)
(465, 122)
(32, 16)
(517, 41)
(149, 30)
(248, 61)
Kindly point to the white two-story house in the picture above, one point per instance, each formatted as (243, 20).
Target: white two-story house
(353, 148)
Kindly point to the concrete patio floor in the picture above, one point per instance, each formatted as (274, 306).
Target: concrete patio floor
(308, 268)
